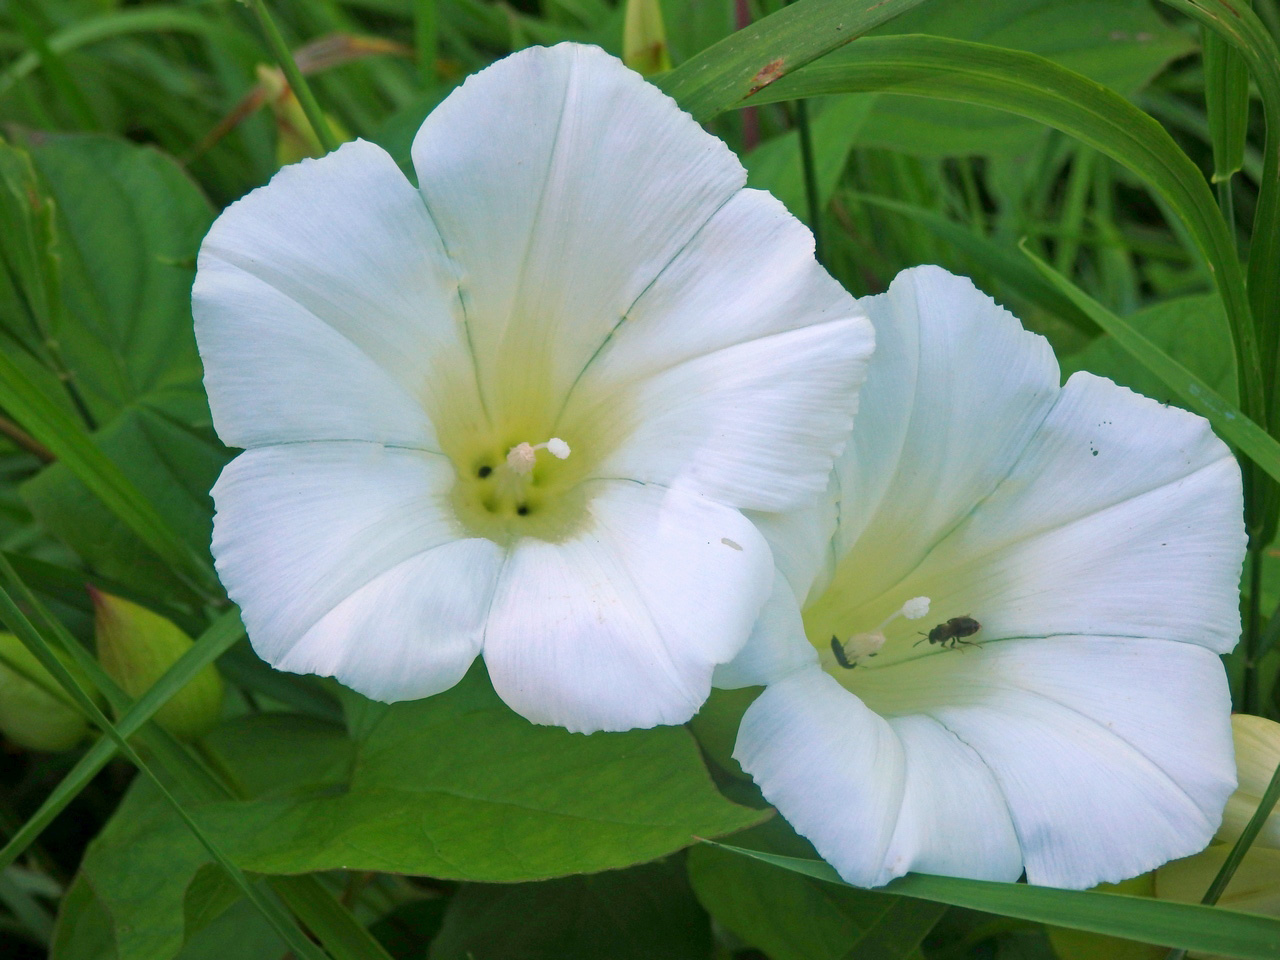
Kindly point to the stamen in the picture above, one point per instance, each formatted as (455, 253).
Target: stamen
(523, 456)
(861, 647)
(913, 609)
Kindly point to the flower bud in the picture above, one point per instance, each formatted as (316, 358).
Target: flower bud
(34, 712)
(136, 647)
(1255, 885)
(1257, 743)
(644, 39)
(295, 139)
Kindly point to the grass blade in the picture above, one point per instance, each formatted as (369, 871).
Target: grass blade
(744, 63)
(1240, 27)
(1003, 262)
(1209, 930)
(1034, 87)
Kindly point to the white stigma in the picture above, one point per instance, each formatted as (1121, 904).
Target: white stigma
(523, 456)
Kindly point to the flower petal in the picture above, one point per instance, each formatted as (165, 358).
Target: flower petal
(777, 645)
(1142, 538)
(876, 797)
(621, 625)
(755, 425)
(1113, 753)
(740, 365)
(956, 390)
(1104, 513)
(345, 561)
(563, 184)
(324, 308)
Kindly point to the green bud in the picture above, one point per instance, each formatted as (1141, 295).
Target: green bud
(136, 647)
(34, 712)
(644, 39)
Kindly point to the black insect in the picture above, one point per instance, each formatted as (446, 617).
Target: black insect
(837, 648)
(953, 632)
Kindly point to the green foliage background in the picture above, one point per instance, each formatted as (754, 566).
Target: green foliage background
(1105, 168)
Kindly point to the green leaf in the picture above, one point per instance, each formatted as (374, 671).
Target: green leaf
(1120, 44)
(130, 223)
(1189, 926)
(100, 305)
(56, 429)
(645, 913)
(456, 786)
(1033, 87)
(793, 917)
(84, 932)
(746, 62)
(1229, 423)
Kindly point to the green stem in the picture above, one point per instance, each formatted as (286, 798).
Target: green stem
(297, 82)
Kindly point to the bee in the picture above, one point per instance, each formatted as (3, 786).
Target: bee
(953, 632)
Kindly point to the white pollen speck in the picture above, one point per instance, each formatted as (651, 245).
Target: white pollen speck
(915, 608)
(558, 448)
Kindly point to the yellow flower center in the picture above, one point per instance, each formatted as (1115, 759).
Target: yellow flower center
(522, 459)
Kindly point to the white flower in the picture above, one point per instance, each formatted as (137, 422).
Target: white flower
(520, 406)
(1063, 708)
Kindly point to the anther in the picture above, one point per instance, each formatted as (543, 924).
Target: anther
(861, 647)
(523, 456)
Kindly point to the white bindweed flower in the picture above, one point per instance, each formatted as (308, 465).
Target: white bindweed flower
(520, 406)
(1062, 709)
